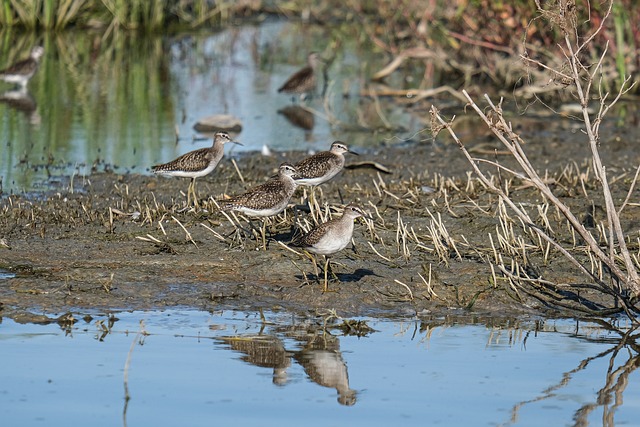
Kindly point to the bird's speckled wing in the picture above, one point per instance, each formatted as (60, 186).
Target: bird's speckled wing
(192, 161)
(302, 81)
(263, 196)
(318, 165)
(313, 236)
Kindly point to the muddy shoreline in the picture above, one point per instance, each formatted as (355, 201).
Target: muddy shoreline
(123, 242)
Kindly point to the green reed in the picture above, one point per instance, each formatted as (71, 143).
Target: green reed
(114, 89)
(147, 15)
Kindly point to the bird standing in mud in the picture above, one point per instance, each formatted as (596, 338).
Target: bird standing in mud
(267, 199)
(321, 167)
(264, 200)
(330, 237)
(196, 163)
(304, 80)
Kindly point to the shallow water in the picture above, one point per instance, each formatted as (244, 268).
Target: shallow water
(129, 102)
(230, 368)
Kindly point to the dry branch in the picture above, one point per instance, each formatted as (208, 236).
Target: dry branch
(625, 287)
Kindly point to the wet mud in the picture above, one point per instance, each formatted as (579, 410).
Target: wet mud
(111, 242)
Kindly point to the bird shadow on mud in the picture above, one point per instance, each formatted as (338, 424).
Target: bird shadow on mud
(352, 277)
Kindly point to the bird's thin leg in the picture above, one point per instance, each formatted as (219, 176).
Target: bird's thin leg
(189, 194)
(190, 190)
(326, 282)
(326, 272)
(312, 200)
(254, 230)
(193, 190)
(263, 233)
(315, 264)
(258, 233)
(333, 275)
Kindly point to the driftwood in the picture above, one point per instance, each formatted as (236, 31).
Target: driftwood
(414, 95)
(368, 164)
(413, 53)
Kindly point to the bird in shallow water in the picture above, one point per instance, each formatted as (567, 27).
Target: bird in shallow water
(304, 80)
(330, 237)
(196, 163)
(22, 71)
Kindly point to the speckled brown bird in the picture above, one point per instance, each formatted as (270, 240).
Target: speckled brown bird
(330, 237)
(322, 166)
(267, 199)
(304, 80)
(196, 163)
(22, 71)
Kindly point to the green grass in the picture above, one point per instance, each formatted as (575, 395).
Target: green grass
(117, 90)
(146, 15)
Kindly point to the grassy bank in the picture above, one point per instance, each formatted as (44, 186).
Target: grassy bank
(146, 15)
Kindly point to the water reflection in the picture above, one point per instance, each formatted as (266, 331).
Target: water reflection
(623, 358)
(265, 351)
(120, 102)
(322, 360)
(503, 372)
(298, 116)
(21, 100)
(318, 353)
(93, 103)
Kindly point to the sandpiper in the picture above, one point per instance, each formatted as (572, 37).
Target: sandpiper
(330, 237)
(304, 80)
(196, 163)
(322, 166)
(22, 71)
(267, 199)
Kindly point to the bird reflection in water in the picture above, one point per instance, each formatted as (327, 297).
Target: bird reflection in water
(319, 356)
(322, 361)
(21, 100)
(299, 117)
(265, 351)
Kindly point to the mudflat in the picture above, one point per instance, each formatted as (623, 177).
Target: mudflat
(111, 242)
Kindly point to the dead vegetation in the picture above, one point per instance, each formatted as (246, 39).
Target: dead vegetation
(602, 256)
(434, 242)
(510, 233)
(479, 44)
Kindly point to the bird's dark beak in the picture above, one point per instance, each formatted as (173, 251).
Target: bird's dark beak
(237, 142)
(353, 152)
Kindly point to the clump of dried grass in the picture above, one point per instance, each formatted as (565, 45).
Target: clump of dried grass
(608, 269)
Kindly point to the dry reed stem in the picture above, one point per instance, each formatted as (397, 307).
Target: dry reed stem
(215, 233)
(188, 236)
(541, 186)
(428, 284)
(378, 253)
(235, 166)
(407, 287)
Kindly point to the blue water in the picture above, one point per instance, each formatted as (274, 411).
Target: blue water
(228, 368)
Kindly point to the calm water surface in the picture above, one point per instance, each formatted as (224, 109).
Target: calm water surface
(129, 102)
(229, 368)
